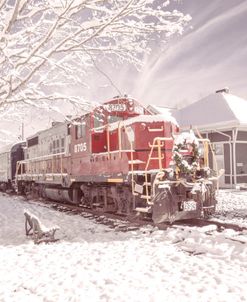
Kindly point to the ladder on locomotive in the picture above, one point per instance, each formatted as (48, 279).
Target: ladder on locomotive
(154, 154)
(158, 143)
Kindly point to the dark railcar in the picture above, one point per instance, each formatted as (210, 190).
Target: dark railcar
(9, 157)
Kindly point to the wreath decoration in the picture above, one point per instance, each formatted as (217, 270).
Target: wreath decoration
(186, 142)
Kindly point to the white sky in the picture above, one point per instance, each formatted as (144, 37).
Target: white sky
(210, 55)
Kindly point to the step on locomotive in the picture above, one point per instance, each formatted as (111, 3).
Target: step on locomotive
(119, 158)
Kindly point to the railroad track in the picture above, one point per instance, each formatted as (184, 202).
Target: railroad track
(133, 222)
(124, 224)
(221, 225)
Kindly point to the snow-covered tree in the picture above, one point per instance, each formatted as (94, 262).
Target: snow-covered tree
(45, 44)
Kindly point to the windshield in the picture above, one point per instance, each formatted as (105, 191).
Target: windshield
(114, 118)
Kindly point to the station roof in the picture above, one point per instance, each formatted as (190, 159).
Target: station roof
(220, 110)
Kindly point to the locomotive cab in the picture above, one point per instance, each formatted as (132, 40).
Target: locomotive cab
(111, 112)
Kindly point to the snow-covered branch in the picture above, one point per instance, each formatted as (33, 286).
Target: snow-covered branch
(46, 44)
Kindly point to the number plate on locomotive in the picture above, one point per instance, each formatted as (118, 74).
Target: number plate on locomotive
(115, 107)
(189, 205)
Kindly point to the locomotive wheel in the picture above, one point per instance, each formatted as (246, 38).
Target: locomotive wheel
(20, 188)
(77, 195)
(3, 187)
(124, 201)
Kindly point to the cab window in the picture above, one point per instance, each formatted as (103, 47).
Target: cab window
(98, 119)
(81, 130)
(114, 118)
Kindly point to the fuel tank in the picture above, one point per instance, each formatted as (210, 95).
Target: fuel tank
(58, 195)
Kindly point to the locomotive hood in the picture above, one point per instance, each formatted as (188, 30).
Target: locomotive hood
(143, 119)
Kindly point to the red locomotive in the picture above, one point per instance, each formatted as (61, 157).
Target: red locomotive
(120, 158)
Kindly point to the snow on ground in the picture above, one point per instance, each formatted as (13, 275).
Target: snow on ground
(232, 207)
(93, 262)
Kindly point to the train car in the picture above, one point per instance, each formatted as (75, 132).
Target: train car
(121, 158)
(9, 156)
(46, 163)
